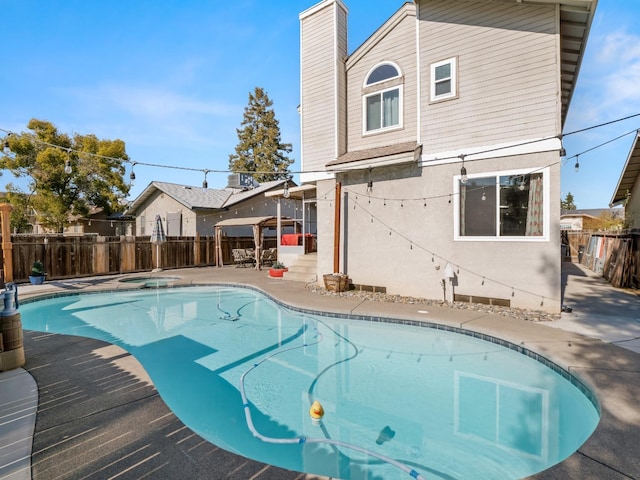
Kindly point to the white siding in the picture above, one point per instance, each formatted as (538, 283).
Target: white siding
(508, 85)
(323, 49)
(397, 46)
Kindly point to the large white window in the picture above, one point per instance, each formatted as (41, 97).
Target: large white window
(444, 80)
(382, 100)
(509, 205)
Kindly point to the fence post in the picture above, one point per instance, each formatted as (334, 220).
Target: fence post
(7, 246)
(196, 251)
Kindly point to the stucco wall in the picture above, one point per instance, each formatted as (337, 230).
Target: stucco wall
(161, 203)
(402, 238)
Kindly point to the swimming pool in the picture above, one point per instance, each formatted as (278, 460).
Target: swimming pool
(441, 404)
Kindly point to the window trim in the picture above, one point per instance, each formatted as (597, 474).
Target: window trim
(380, 88)
(453, 61)
(372, 69)
(546, 186)
(380, 92)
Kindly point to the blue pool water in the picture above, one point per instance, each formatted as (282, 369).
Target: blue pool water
(440, 404)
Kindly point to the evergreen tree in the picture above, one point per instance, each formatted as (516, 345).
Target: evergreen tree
(259, 147)
(68, 174)
(567, 203)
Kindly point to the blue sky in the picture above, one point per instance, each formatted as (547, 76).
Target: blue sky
(172, 79)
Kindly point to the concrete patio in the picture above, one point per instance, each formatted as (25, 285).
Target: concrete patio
(99, 415)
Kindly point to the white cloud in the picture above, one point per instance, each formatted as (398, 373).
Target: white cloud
(154, 114)
(154, 103)
(616, 72)
(619, 47)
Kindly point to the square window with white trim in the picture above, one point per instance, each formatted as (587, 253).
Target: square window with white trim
(444, 79)
(511, 205)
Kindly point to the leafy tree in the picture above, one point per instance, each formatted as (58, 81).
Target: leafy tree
(567, 203)
(607, 220)
(21, 215)
(260, 148)
(96, 178)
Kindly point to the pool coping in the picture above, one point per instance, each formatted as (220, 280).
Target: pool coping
(611, 372)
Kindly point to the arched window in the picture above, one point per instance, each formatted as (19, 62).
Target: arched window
(382, 98)
(386, 71)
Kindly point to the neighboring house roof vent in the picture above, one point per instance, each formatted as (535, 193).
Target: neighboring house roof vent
(240, 180)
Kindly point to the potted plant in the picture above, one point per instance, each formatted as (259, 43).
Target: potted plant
(37, 273)
(277, 269)
(336, 282)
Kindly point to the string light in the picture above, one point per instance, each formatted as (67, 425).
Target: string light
(178, 167)
(67, 164)
(457, 267)
(463, 171)
(370, 183)
(577, 166)
(205, 185)
(132, 175)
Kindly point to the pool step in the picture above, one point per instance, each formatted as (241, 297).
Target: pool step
(304, 269)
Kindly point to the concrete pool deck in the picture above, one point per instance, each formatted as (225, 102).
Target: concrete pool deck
(99, 415)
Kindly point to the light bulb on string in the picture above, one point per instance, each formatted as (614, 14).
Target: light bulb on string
(205, 185)
(463, 171)
(132, 175)
(577, 166)
(67, 164)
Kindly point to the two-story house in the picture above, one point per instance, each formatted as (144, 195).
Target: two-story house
(439, 140)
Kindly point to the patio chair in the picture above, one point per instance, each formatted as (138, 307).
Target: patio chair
(269, 255)
(243, 256)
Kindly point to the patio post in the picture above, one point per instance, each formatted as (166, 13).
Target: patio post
(336, 230)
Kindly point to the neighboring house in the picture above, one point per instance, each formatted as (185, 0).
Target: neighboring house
(627, 191)
(99, 223)
(587, 219)
(442, 135)
(96, 222)
(187, 210)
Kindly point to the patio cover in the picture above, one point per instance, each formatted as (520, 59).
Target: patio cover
(258, 223)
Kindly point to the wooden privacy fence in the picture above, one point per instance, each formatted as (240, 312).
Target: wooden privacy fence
(89, 255)
(614, 256)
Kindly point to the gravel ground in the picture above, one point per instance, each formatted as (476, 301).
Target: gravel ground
(522, 314)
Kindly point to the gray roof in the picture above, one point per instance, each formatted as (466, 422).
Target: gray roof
(239, 196)
(593, 212)
(197, 198)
